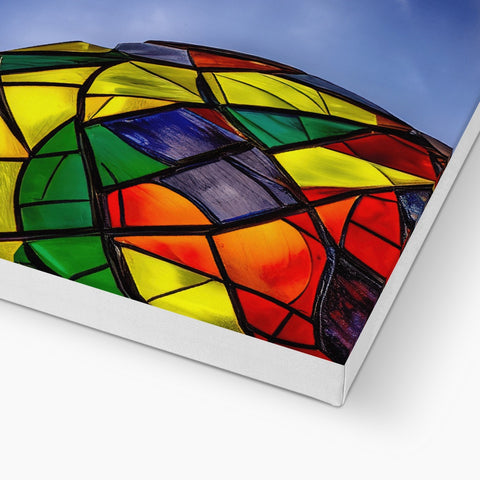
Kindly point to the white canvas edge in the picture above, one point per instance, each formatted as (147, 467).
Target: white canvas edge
(465, 147)
(242, 354)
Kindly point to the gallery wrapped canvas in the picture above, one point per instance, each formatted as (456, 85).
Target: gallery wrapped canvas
(228, 188)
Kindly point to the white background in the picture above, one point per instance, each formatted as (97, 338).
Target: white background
(79, 404)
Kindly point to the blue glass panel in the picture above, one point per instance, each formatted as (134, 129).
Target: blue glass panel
(414, 203)
(156, 52)
(222, 189)
(258, 166)
(171, 135)
(345, 308)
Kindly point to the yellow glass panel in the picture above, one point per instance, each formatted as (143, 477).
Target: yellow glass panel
(398, 177)
(94, 104)
(128, 104)
(214, 87)
(320, 167)
(341, 108)
(253, 88)
(156, 277)
(8, 179)
(39, 109)
(10, 147)
(8, 249)
(73, 76)
(184, 77)
(77, 47)
(209, 302)
(176, 84)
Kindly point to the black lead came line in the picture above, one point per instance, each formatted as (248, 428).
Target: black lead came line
(178, 290)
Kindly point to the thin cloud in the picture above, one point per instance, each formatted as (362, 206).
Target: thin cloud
(405, 5)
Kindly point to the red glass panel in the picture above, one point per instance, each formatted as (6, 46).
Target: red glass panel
(305, 302)
(315, 353)
(379, 216)
(298, 330)
(304, 221)
(371, 250)
(391, 151)
(319, 193)
(211, 60)
(114, 210)
(215, 117)
(261, 313)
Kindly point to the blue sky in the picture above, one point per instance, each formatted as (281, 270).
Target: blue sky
(419, 59)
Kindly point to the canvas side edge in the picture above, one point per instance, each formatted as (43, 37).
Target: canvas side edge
(466, 145)
(174, 333)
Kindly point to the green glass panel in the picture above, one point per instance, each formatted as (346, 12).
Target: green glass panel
(322, 127)
(57, 216)
(117, 161)
(20, 257)
(54, 178)
(36, 177)
(63, 141)
(275, 129)
(69, 256)
(272, 129)
(12, 62)
(69, 181)
(103, 280)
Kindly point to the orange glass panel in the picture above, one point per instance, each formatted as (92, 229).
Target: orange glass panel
(149, 205)
(333, 216)
(387, 122)
(272, 258)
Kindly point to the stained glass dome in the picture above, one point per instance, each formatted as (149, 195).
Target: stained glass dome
(225, 187)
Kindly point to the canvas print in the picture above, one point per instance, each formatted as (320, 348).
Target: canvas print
(229, 188)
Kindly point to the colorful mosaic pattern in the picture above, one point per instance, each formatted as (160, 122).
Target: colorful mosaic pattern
(225, 187)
